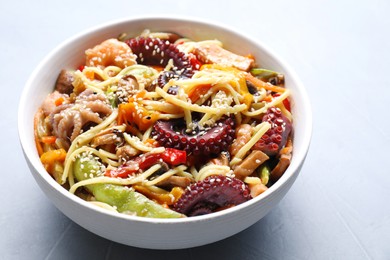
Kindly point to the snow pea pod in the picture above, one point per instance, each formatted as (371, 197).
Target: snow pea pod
(124, 199)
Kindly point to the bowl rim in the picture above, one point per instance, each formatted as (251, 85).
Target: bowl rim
(292, 170)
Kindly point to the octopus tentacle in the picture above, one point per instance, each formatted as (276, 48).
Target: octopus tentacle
(99, 107)
(212, 194)
(276, 137)
(154, 51)
(68, 120)
(212, 141)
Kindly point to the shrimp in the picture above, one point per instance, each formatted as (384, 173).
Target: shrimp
(243, 135)
(110, 52)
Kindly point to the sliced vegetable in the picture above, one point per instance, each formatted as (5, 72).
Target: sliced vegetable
(264, 173)
(53, 161)
(195, 63)
(111, 96)
(199, 91)
(170, 156)
(242, 87)
(261, 84)
(174, 156)
(263, 74)
(271, 76)
(48, 139)
(286, 102)
(124, 199)
(161, 196)
(134, 113)
(59, 101)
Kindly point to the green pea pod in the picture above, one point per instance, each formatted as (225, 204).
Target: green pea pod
(125, 199)
(264, 173)
(263, 74)
(112, 98)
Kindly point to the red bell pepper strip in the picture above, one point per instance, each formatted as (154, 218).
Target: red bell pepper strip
(286, 102)
(170, 156)
(173, 156)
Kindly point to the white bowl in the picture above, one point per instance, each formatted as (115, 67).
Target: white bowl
(147, 232)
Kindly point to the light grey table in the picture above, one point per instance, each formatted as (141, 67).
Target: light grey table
(339, 207)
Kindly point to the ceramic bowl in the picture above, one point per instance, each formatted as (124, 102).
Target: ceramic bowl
(147, 232)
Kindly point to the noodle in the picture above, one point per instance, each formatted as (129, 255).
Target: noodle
(160, 127)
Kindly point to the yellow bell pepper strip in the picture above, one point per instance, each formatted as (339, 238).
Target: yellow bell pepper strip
(242, 88)
(165, 198)
(134, 113)
(50, 158)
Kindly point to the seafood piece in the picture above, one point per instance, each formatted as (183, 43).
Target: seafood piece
(250, 163)
(213, 53)
(222, 159)
(110, 52)
(109, 136)
(175, 181)
(212, 141)
(154, 51)
(276, 137)
(166, 36)
(212, 194)
(284, 162)
(127, 87)
(243, 135)
(126, 152)
(51, 103)
(68, 121)
(64, 82)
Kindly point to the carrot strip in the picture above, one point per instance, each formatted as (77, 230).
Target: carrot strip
(48, 139)
(151, 141)
(38, 145)
(261, 84)
(59, 101)
(250, 56)
(198, 91)
(158, 68)
(38, 116)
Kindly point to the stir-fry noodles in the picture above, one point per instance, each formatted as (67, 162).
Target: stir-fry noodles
(158, 125)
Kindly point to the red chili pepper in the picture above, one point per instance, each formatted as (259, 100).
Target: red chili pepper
(81, 68)
(170, 156)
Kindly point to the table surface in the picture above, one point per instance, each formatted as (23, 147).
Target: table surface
(339, 206)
